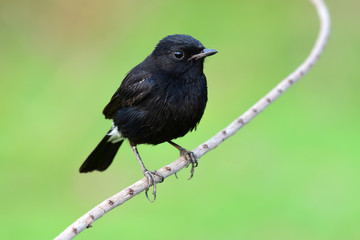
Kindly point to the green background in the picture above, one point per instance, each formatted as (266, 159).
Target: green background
(292, 173)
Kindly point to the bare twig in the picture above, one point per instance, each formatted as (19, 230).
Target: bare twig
(138, 187)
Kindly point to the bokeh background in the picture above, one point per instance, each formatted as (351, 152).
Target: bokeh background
(292, 173)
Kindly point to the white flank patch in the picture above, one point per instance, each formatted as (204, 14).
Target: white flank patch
(115, 135)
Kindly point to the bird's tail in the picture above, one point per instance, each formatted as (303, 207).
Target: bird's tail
(102, 156)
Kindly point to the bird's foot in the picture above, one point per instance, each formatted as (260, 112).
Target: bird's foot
(152, 176)
(191, 158)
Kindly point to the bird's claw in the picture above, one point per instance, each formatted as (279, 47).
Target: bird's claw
(191, 158)
(151, 176)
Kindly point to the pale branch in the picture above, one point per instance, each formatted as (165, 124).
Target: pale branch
(97, 212)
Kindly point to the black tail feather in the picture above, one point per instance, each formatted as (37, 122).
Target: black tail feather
(102, 156)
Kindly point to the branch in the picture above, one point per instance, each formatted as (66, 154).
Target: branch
(97, 212)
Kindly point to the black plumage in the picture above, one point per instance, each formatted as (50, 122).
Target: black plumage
(161, 99)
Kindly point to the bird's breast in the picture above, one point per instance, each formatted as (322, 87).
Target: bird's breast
(183, 100)
(171, 112)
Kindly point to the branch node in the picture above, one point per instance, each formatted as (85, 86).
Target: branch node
(131, 192)
(241, 121)
(110, 202)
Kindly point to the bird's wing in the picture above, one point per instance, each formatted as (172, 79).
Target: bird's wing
(133, 90)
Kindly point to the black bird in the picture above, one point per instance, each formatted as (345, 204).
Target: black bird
(161, 99)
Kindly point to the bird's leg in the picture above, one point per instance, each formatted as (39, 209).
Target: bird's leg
(190, 156)
(151, 175)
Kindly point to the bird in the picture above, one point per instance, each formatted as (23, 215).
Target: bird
(160, 99)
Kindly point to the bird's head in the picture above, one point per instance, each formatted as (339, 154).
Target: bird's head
(177, 54)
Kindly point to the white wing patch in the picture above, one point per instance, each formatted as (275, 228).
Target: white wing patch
(115, 135)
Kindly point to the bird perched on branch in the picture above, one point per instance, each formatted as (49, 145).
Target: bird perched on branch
(161, 99)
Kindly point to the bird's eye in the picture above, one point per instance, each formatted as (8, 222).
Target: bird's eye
(178, 54)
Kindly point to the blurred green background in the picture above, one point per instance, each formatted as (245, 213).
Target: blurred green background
(292, 173)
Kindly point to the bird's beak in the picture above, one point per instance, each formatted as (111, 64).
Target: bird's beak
(204, 53)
